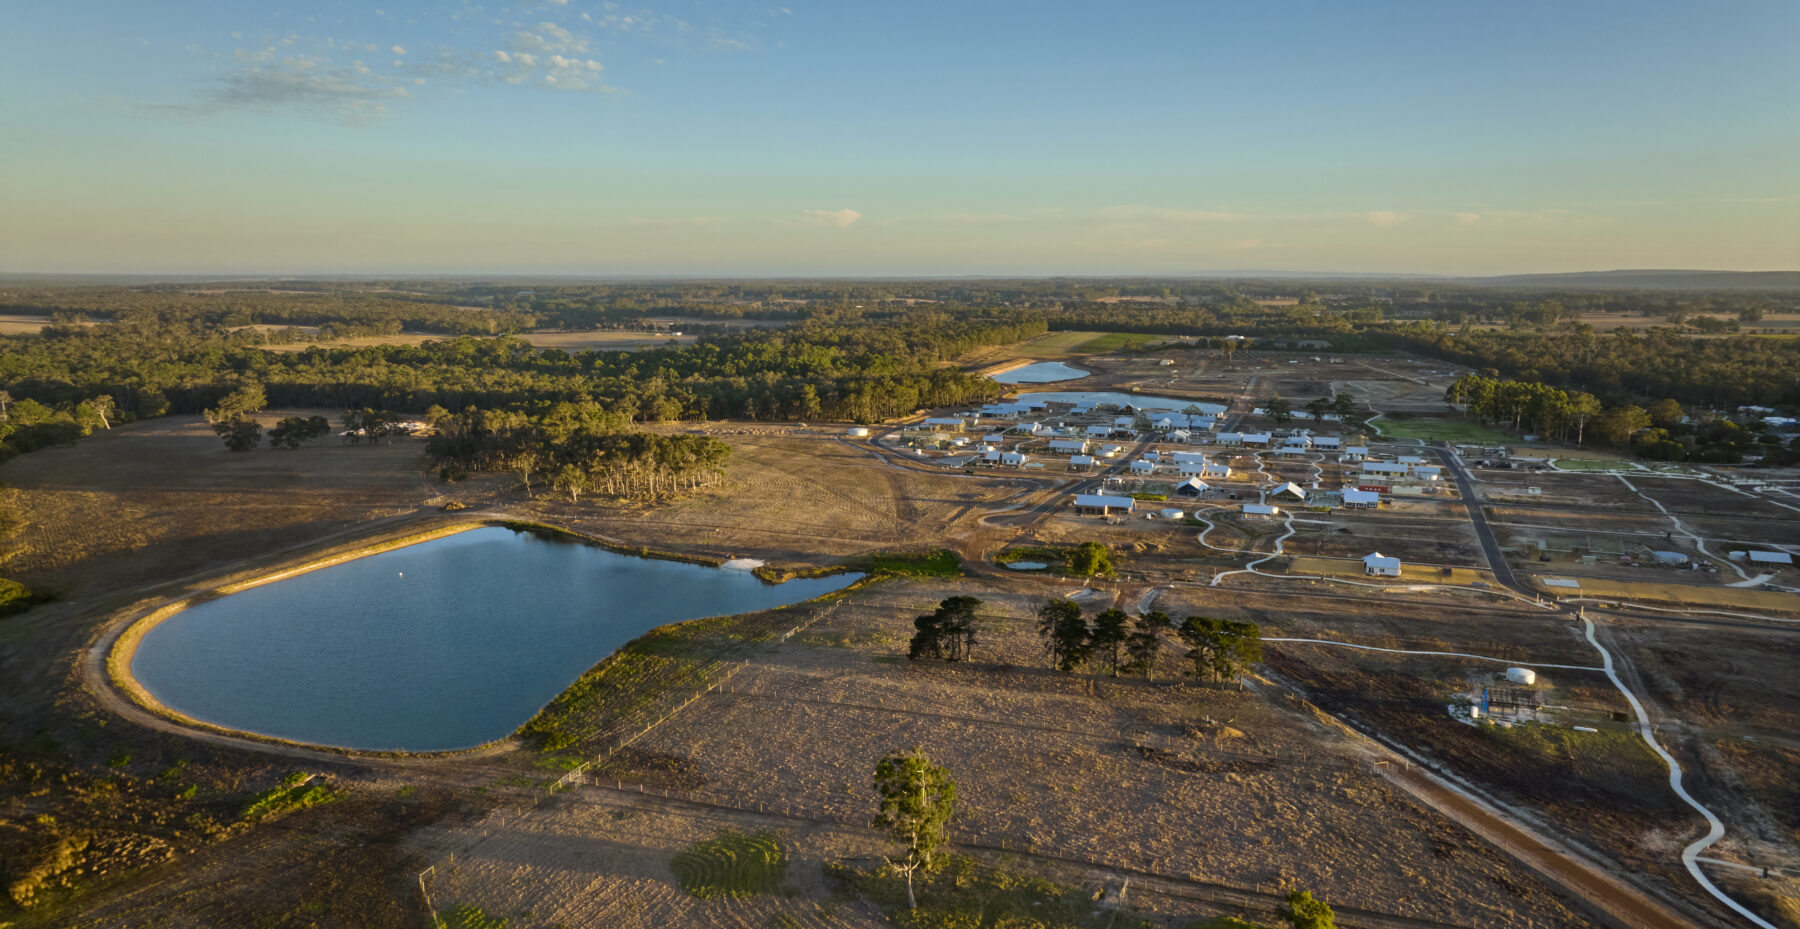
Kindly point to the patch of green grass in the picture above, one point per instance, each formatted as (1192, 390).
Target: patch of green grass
(469, 916)
(732, 864)
(1087, 559)
(963, 892)
(295, 793)
(1152, 497)
(1587, 464)
(940, 563)
(1439, 430)
(1121, 342)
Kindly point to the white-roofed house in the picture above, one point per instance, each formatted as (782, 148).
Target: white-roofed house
(1379, 565)
(1163, 425)
(1014, 459)
(1099, 432)
(1179, 435)
(1216, 470)
(989, 458)
(1191, 468)
(1192, 487)
(1231, 438)
(1355, 453)
(1261, 511)
(1428, 473)
(1770, 558)
(993, 438)
(1410, 460)
(946, 422)
(1256, 438)
(1290, 450)
(1289, 489)
(1327, 443)
(1124, 421)
(1102, 504)
(1361, 499)
(1179, 457)
(1081, 462)
(1153, 455)
(1384, 468)
(1109, 451)
(1143, 467)
(1069, 446)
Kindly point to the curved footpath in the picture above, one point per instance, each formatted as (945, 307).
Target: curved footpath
(1504, 573)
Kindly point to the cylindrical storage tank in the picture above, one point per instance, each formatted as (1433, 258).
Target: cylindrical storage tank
(859, 432)
(1524, 676)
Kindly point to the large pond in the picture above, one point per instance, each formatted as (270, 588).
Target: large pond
(436, 646)
(1117, 398)
(1042, 372)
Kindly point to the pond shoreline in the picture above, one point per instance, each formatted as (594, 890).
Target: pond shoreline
(107, 661)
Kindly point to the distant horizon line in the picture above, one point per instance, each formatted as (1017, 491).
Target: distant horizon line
(1248, 273)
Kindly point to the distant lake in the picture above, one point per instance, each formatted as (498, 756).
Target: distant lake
(1042, 372)
(1116, 398)
(442, 645)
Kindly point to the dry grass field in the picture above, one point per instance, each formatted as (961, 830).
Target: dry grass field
(1195, 784)
(13, 324)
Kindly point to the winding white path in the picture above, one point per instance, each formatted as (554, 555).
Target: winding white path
(1681, 527)
(1408, 651)
(1690, 856)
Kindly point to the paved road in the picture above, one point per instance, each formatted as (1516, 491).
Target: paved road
(1503, 572)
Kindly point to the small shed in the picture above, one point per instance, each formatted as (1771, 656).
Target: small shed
(1379, 565)
(1102, 504)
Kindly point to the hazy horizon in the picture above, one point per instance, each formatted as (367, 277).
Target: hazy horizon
(571, 138)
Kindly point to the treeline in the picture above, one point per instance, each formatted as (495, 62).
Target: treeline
(1663, 430)
(864, 371)
(348, 310)
(577, 448)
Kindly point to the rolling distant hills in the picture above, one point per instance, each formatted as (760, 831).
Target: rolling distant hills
(1652, 278)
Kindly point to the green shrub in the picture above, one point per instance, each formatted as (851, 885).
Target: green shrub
(470, 916)
(295, 793)
(940, 563)
(732, 864)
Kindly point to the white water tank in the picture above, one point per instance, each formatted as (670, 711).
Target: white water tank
(858, 432)
(1524, 676)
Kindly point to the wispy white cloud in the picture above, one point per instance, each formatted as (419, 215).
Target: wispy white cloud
(1385, 218)
(351, 93)
(548, 39)
(838, 218)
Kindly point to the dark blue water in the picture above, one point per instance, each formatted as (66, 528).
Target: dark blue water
(437, 646)
(1116, 398)
(1042, 372)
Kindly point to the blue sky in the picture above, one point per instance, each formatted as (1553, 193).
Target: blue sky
(917, 138)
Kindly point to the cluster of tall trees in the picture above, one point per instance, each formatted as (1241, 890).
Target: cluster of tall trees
(1218, 649)
(27, 425)
(947, 632)
(1662, 430)
(577, 448)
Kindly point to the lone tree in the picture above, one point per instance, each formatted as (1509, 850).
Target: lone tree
(1145, 643)
(1302, 911)
(917, 799)
(1279, 410)
(947, 632)
(1108, 636)
(1344, 406)
(240, 433)
(1317, 408)
(1065, 634)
